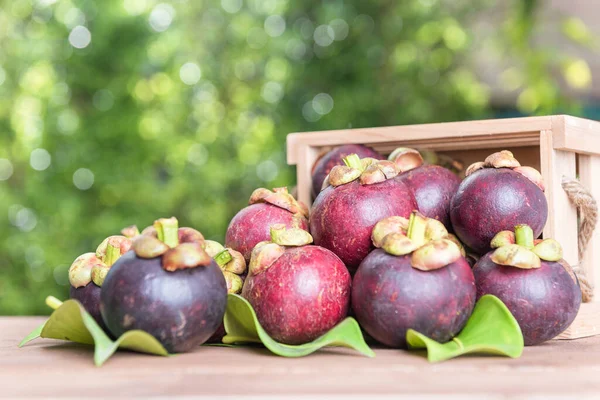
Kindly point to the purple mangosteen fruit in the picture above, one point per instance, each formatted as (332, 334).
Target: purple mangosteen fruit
(327, 161)
(251, 224)
(358, 195)
(298, 291)
(497, 195)
(88, 271)
(530, 277)
(167, 286)
(433, 185)
(417, 279)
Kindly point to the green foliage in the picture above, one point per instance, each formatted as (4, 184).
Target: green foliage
(124, 140)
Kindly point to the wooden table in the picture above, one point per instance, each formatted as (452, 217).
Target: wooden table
(50, 368)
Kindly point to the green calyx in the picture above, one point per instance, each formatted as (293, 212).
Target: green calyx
(112, 254)
(353, 161)
(521, 250)
(524, 236)
(426, 239)
(167, 231)
(223, 258)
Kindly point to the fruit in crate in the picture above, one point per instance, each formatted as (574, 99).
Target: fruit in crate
(251, 224)
(417, 278)
(88, 271)
(497, 195)
(358, 195)
(298, 291)
(326, 162)
(167, 286)
(530, 277)
(433, 186)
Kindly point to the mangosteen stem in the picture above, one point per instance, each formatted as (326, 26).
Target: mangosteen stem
(223, 258)
(524, 236)
(353, 161)
(112, 254)
(166, 228)
(417, 225)
(53, 302)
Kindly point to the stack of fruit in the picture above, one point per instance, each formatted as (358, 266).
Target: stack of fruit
(398, 243)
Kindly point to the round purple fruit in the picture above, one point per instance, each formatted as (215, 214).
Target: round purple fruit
(88, 271)
(417, 279)
(497, 195)
(433, 185)
(251, 224)
(359, 195)
(167, 286)
(326, 162)
(531, 279)
(298, 291)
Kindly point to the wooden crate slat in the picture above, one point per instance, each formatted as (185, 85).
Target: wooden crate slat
(415, 132)
(589, 176)
(562, 225)
(577, 135)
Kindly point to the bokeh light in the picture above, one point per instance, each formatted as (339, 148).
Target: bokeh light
(40, 159)
(6, 169)
(80, 37)
(83, 179)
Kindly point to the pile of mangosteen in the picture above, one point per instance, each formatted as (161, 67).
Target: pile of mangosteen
(399, 243)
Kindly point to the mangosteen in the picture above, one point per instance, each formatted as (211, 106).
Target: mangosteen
(417, 278)
(530, 277)
(251, 224)
(497, 195)
(327, 161)
(433, 186)
(358, 195)
(88, 271)
(233, 266)
(298, 291)
(167, 286)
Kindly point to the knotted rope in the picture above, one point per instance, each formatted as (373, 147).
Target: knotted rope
(588, 212)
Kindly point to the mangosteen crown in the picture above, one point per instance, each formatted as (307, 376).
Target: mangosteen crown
(406, 159)
(93, 267)
(367, 170)
(431, 245)
(506, 159)
(180, 248)
(519, 249)
(266, 253)
(281, 198)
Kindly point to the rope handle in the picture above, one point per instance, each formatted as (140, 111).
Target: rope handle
(587, 207)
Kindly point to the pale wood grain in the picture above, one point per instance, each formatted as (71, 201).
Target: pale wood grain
(562, 216)
(48, 368)
(408, 133)
(589, 176)
(577, 134)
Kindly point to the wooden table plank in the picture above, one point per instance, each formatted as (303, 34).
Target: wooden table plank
(44, 368)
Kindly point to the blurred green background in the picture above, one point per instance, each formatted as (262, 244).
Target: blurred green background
(119, 112)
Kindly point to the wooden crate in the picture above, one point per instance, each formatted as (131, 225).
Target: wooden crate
(559, 146)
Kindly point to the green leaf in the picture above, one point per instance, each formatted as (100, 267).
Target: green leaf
(242, 326)
(33, 335)
(71, 322)
(491, 329)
